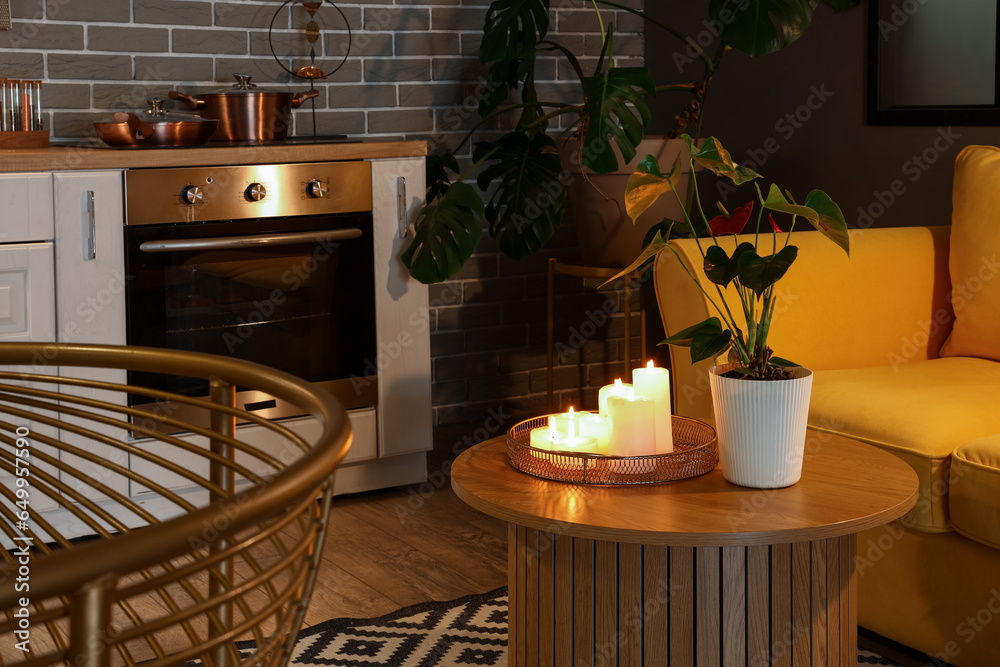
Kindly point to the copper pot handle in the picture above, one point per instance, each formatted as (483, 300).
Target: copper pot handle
(139, 128)
(191, 101)
(299, 98)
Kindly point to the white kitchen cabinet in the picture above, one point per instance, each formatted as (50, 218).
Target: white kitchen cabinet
(90, 282)
(27, 292)
(403, 354)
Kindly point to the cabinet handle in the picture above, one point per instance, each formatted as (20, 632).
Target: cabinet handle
(401, 206)
(91, 226)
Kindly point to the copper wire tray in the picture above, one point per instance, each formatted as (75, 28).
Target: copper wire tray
(696, 452)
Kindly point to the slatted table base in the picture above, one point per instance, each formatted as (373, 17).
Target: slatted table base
(577, 601)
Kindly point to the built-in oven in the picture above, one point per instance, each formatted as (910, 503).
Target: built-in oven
(272, 264)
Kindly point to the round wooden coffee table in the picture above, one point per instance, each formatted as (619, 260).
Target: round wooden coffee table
(695, 572)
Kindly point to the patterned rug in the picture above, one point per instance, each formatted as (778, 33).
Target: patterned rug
(468, 631)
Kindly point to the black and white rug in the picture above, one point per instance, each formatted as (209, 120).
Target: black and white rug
(468, 631)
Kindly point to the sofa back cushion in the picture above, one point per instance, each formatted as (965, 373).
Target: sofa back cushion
(974, 261)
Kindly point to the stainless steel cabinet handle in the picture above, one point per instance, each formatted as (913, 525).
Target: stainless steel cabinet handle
(91, 226)
(401, 206)
(227, 242)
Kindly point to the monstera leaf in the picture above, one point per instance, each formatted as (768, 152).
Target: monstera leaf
(756, 27)
(527, 203)
(446, 234)
(613, 100)
(513, 28)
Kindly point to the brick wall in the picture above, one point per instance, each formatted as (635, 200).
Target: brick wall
(412, 72)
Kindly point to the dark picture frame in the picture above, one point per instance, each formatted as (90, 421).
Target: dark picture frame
(881, 109)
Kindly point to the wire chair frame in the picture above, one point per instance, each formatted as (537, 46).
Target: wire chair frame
(125, 542)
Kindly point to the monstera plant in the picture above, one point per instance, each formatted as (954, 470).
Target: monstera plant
(520, 192)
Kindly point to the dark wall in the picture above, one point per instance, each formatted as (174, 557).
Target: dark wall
(799, 116)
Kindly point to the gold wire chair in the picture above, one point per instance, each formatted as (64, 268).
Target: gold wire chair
(201, 539)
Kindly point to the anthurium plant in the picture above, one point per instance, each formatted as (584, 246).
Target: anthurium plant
(752, 269)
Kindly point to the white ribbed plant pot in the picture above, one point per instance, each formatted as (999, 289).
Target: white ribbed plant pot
(761, 426)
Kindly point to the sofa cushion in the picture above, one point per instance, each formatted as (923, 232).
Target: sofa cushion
(974, 493)
(920, 411)
(974, 259)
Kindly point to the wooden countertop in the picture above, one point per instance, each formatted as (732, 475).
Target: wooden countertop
(846, 487)
(61, 158)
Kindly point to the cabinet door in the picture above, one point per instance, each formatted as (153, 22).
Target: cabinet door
(404, 358)
(26, 202)
(27, 313)
(90, 282)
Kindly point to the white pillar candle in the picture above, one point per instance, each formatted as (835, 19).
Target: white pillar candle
(616, 389)
(575, 443)
(545, 437)
(633, 426)
(564, 421)
(597, 427)
(653, 383)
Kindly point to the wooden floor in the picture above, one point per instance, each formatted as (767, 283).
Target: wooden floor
(389, 549)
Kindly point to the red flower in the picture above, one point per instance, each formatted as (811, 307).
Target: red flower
(774, 225)
(733, 224)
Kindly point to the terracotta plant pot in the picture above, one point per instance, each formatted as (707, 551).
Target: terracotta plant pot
(606, 234)
(761, 426)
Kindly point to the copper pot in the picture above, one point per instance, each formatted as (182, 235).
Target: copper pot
(247, 115)
(156, 127)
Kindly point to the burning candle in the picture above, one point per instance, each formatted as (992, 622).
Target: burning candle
(633, 426)
(653, 383)
(608, 390)
(564, 420)
(597, 427)
(576, 443)
(546, 436)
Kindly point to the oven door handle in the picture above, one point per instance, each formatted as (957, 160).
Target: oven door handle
(227, 242)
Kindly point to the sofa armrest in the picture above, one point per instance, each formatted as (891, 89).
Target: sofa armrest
(885, 305)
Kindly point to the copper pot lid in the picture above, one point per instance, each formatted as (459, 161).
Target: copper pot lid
(157, 114)
(244, 86)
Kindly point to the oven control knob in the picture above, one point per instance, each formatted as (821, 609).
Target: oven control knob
(316, 189)
(255, 192)
(192, 194)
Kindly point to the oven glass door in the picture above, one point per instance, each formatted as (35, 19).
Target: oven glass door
(296, 294)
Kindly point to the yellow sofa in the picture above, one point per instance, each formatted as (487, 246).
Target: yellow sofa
(904, 339)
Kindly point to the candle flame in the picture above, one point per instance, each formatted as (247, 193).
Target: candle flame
(618, 383)
(650, 364)
(571, 414)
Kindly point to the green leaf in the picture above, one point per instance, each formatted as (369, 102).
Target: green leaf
(758, 273)
(756, 27)
(513, 29)
(652, 248)
(615, 111)
(821, 212)
(647, 184)
(783, 363)
(438, 180)
(683, 338)
(446, 235)
(705, 345)
(720, 268)
(717, 159)
(528, 195)
(830, 220)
